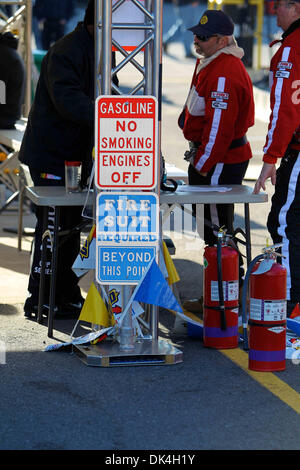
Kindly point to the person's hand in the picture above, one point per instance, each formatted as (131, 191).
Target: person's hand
(268, 171)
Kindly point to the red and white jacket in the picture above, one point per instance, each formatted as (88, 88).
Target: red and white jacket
(219, 109)
(284, 124)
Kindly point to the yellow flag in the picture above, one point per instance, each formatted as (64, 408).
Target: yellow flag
(172, 272)
(94, 309)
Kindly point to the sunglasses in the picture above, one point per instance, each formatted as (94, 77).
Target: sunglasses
(205, 38)
(280, 3)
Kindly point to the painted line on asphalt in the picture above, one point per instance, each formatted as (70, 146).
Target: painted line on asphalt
(267, 379)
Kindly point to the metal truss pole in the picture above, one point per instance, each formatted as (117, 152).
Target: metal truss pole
(129, 352)
(151, 84)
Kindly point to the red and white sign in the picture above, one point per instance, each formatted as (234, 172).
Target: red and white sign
(128, 12)
(126, 142)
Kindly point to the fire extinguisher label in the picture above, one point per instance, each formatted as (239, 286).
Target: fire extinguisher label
(267, 310)
(230, 290)
(278, 329)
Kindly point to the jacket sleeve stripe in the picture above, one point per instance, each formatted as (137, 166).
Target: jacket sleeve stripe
(214, 129)
(216, 174)
(278, 93)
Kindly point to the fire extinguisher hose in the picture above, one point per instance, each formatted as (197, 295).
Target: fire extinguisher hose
(220, 285)
(244, 300)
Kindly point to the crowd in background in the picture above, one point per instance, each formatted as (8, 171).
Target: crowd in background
(51, 22)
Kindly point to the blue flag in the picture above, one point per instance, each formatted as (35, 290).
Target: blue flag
(155, 290)
(293, 325)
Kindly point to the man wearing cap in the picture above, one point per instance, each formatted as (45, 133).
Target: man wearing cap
(60, 127)
(283, 141)
(217, 114)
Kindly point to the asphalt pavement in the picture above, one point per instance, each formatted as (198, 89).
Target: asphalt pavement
(209, 401)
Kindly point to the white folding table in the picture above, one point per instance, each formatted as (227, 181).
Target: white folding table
(56, 197)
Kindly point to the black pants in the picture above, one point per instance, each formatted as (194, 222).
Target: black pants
(218, 214)
(67, 289)
(284, 219)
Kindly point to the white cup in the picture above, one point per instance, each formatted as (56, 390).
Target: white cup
(72, 176)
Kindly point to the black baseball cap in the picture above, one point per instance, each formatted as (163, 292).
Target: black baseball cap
(213, 22)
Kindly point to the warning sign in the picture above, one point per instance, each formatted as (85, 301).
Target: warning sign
(123, 264)
(127, 217)
(127, 235)
(126, 142)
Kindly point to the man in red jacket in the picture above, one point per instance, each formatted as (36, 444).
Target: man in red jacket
(217, 114)
(283, 141)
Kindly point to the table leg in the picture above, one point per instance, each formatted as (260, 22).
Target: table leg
(43, 266)
(20, 217)
(53, 272)
(248, 235)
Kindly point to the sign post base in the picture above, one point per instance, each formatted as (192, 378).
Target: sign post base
(145, 352)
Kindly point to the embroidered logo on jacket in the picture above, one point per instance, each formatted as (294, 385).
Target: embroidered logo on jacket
(220, 95)
(219, 104)
(284, 65)
(283, 68)
(282, 74)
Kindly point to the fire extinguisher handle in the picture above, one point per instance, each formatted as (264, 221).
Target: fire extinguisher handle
(244, 300)
(220, 285)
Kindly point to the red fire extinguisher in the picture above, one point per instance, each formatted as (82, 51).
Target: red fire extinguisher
(267, 313)
(221, 293)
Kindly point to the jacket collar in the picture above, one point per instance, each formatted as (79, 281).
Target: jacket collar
(231, 49)
(286, 33)
(291, 28)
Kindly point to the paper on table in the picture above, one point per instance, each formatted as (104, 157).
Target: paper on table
(202, 189)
